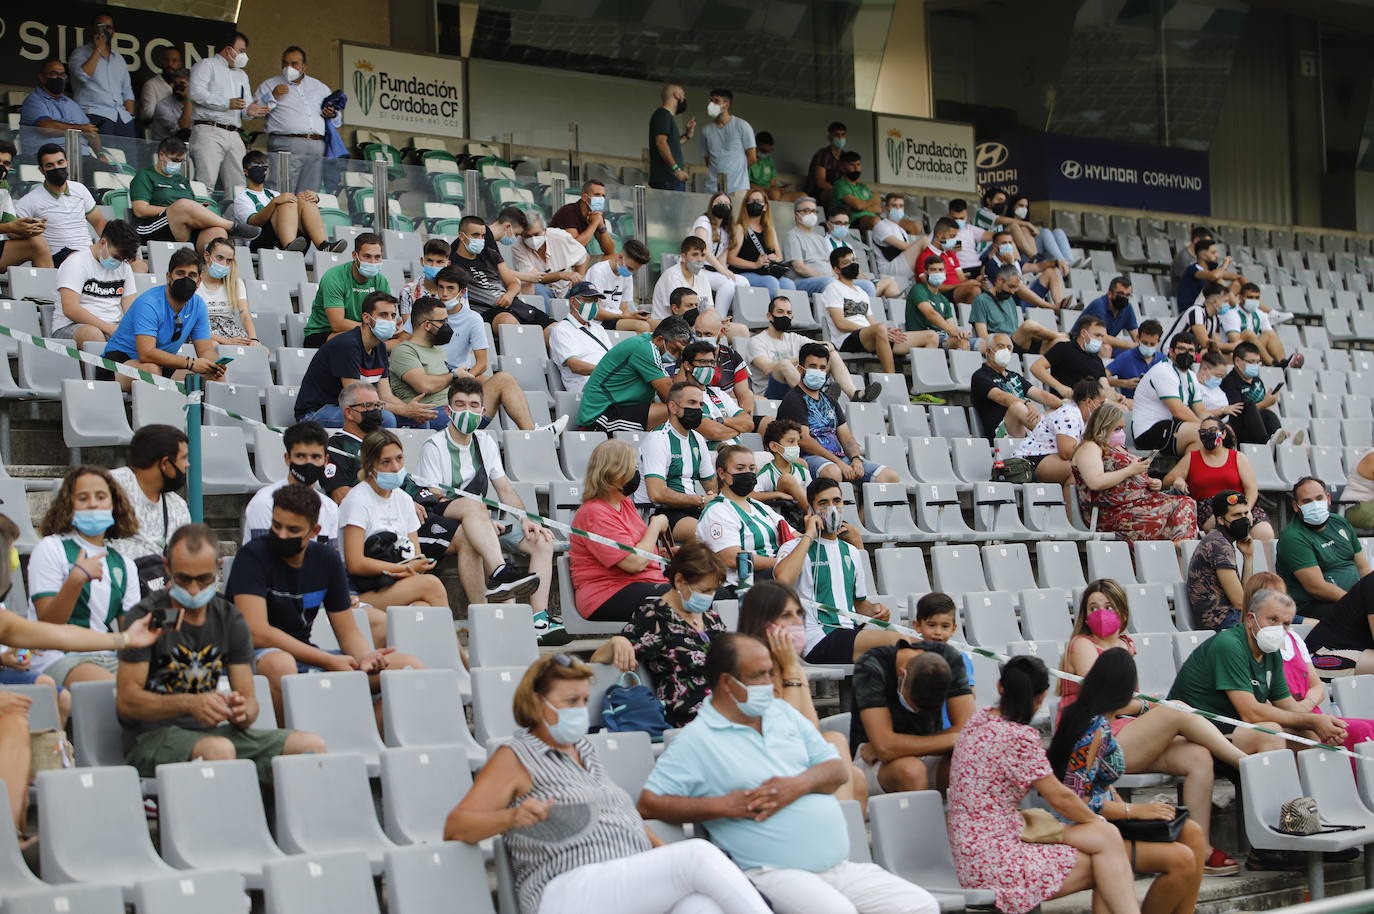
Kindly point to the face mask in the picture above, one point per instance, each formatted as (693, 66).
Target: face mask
(1316, 512)
(240, 60)
(465, 421)
(896, 215)
(1225, 309)
(1209, 438)
(1094, 346)
(681, 106)
(1252, 369)
(632, 486)
(694, 266)
(597, 204)
(173, 167)
(999, 208)
(217, 270)
(832, 518)
(1270, 638)
(92, 522)
(721, 211)
(754, 209)
(690, 417)
(182, 289)
(796, 634)
(961, 223)
(1147, 351)
(781, 323)
(535, 242)
(1002, 357)
(290, 74)
(1002, 294)
(55, 84)
(391, 481)
(432, 271)
(935, 280)
(307, 474)
(476, 245)
(901, 697)
(1021, 212)
(384, 330)
(808, 220)
(623, 270)
(854, 175)
(704, 374)
(571, 725)
(1239, 528)
(193, 601)
(110, 263)
(56, 176)
(587, 310)
(850, 271)
(792, 454)
(284, 547)
(1008, 251)
(370, 420)
(173, 483)
(257, 174)
(813, 378)
(742, 483)
(838, 141)
(1213, 264)
(1117, 438)
(443, 335)
(713, 110)
(1252, 305)
(506, 241)
(368, 269)
(696, 602)
(840, 231)
(1212, 383)
(1119, 301)
(1104, 622)
(949, 243)
(757, 699)
(1184, 361)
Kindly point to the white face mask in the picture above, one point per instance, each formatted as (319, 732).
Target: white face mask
(240, 60)
(1270, 637)
(808, 220)
(1021, 212)
(1002, 357)
(535, 242)
(713, 110)
(290, 74)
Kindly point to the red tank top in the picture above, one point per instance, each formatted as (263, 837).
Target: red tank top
(1205, 481)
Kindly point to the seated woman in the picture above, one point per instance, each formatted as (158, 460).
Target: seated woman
(1165, 740)
(772, 612)
(1035, 242)
(713, 227)
(1086, 756)
(226, 298)
(754, 250)
(76, 578)
(669, 634)
(1130, 503)
(997, 760)
(609, 584)
(377, 506)
(616, 865)
(1216, 466)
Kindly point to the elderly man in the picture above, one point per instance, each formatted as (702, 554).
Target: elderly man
(547, 261)
(1004, 400)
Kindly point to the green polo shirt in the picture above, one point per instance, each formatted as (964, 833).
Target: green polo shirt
(624, 375)
(922, 292)
(1001, 316)
(763, 171)
(152, 186)
(339, 288)
(856, 189)
(1224, 663)
(1332, 549)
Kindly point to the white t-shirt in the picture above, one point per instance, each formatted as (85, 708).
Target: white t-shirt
(257, 517)
(718, 246)
(365, 509)
(854, 304)
(100, 290)
(1238, 320)
(882, 231)
(762, 344)
(828, 574)
(619, 290)
(1043, 439)
(561, 252)
(770, 475)
(683, 463)
(1160, 383)
(571, 340)
(721, 527)
(672, 279)
(436, 469)
(66, 214)
(217, 302)
(250, 202)
(152, 532)
(972, 246)
(1214, 398)
(48, 570)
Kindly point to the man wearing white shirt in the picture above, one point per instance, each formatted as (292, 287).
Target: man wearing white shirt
(578, 342)
(772, 354)
(296, 116)
(307, 455)
(66, 207)
(101, 79)
(614, 278)
(220, 92)
(156, 88)
(1165, 414)
(895, 250)
(686, 273)
(95, 286)
(547, 261)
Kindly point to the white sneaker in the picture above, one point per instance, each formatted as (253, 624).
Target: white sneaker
(557, 426)
(1277, 317)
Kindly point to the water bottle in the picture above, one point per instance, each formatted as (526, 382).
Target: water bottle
(744, 562)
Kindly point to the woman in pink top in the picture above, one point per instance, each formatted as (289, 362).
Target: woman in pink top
(610, 584)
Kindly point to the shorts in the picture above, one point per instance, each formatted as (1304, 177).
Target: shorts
(525, 314)
(1035, 460)
(676, 514)
(1039, 288)
(10, 677)
(267, 238)
(300, 667)
(168, 745)
(61, 668)
(1159, 437)
(816, 464)
(623, 417)
(775, 389)
(875, 789)
(155, 230)
(114, 355)
(58, 256)
(852, 343)
(65, 333)
(436, 535)
(315, 340)
(836, 647)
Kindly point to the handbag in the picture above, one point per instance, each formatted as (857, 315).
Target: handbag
(629, 707)
(384, 546)
(1153, 830)
(49, 750)
(152, 569)
(1301, 817)
(1039, 827)
(1016, 470)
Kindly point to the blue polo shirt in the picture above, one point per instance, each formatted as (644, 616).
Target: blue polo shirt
(1116, 322)
(39, 105)
(151, 315)
(1131, 364)
(713, 756)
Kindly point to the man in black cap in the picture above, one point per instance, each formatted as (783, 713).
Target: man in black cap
(578, 342)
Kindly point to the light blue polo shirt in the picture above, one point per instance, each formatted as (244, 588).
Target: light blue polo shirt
(712, 757)
(151, 315)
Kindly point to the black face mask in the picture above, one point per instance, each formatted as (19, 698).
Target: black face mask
(754, 209)
(1209, 438)
(1184, 361)
(173, 483)
(631, 487)
(4, 172)
(743, 483)
(690, 417)
(1239, 528)
(853, 175)
(257, 174)
(690, 316)
(850, 271)
(721, 211)
(1002, 294)
(55, 84)
(56, 176)
(1213, 264)
(1120, 301)
(443, 334)
(999, 208)
(681, 106)
(369, 420)
(182, 289)
(781, 322)
(307, 474)
(284, 547)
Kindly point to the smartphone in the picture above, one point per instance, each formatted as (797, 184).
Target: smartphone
(163, 618)
(1278, 387)
(224, 361)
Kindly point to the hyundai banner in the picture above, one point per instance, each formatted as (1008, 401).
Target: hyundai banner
(411, 94)
(1100, 172)
(913, 152)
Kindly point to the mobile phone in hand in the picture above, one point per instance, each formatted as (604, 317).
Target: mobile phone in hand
(1278, 387)
(163, 618)
(223, 361)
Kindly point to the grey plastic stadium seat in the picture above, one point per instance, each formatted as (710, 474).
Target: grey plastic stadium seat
(15, 875)
(523, 340)
(492, 691)
(901, 570)
(939, 516)
(16, 501)
(190, 794)
(292, 364)
(244, 399)
(1186, 642)
(43, 708)
(22, 316)
(751, 307)
(281, 405)
(931, 462)
(67, 899)
(93, 414)
(251, 365)
(908, 421)
(957, 569)
(282, 266)
(1043, 509)
(1059, 565)
(1266, 473)
(501, 634)
(573, 620)
(225, 467)
(930, 372)
(1008, 567)
(42, 372)
(990, 620)
(949, 421)
(1110, 560)
(1354, 695)
(972, 459)
(422, 880)
(910, 840)
(530, 456)
(324, 804)
(865, 419)
(266, 443)
(217, 891)
(859, 851)
(332, 883)
(1154, 662)
(419, 787)
(96, 733)
(1045, 614)
(338, 708)
(891, 452)
(155, 406)
(94, 828)
(1150, 608)
(576, 448)
(885, 507)
(426, 633)
(322, 630)
(627, 756)
(38, 283)
(995, 511)
(425, 708)
(1156, 562)
(962, 365)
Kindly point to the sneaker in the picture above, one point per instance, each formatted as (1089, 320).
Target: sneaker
(550, 632)
(1296, 360)
(1277, 317)
(1219, 863)
(831, 390)
(1279, 437)
(244, 230)
(929, 399)
(868, 394)
(1300, 436)
(556, 426)
(333, 247)
(510, 583)
(1274, 860)
(299, 244)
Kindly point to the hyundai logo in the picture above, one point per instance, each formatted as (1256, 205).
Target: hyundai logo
(990, 155)
(1071, 169)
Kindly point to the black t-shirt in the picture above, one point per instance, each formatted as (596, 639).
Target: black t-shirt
(342, 356)
(341, 471)
(188, 661)
(294, 595)
(661, 123)
(875, 686)
(1069, 363)
(1239, 389)
(990, 413)
(484, 268)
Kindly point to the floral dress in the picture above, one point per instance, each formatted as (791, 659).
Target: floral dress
(1132, 510)
(995, 762)
(1090, 771)
(674, 653)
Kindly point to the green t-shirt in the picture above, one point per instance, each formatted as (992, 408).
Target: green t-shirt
(1332, 549)
(1000, 316)
(340, 289)
(661, 123)
(1224, 663)
(922, 292)
(407, 357)
(152, 186)
(856, 189)
(623, 375)
(763, 171)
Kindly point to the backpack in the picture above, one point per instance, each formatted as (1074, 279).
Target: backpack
(627, 708)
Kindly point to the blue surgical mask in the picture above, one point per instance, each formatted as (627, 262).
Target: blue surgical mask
(1252, 369)
(92, 522)
(217, 270)
(384, 330)
(838, 141)
(696, 602)
(813, 379)
(1094, 346)
(391, 481)
(571, 726)
(111, 263)
(623, 270)
(369, 269)
(1148, 351)
(896, 215)
(1213, 382)
(431, 271)
(1225, 308)
(173, 167)
(1252, 305)
(506, 241)
(961, 223)
(1316, 512)
(840, 231)
(949, 243)
(758, 700)
(901, 697)
(1007, 250)
(193, 601)
(597, 204)
(477, 245)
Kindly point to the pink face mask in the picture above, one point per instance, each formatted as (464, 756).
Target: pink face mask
(1104, 622)
(1117, 438)
(798, 635)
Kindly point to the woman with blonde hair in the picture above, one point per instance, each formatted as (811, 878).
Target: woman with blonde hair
(1110, 479)
(608, 583)
(714, 228)
(226, 296)
(575, 840)
(754, 248)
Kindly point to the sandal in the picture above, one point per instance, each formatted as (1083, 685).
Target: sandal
(1219, 863)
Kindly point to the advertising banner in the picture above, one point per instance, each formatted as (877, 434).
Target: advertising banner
(914, 152)
(1101, 172)
(412, 94)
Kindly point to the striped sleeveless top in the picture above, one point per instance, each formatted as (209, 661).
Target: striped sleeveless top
(619, 831)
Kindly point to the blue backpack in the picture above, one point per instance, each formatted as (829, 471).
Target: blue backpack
(631, 707)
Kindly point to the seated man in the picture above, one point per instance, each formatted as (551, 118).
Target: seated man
(545, 260)
(162, 320)
(433, 261)
(806, 251)
(731, 373)
(944, 242)
(685, 274)
(21, 237)
(853, 196)
(838, 235)
(357, 356)
(628, 389)
(722, 418)
(936, 618)
(288, 221)
(1215, 586)
(579, 341)
(901, 691)
(1042, 284)
(735, 522)
(493, 287)
(1209, 269)
(826, 565)
(1319, 556)
(773, 354)
(165, 208)
(1076, 359)
(172, 710)
(613, 277)
(1167, 402)
(1239, 673)
(928, 312)
(1129, 366)
(896, 251)
(48, 113)
(996, 311)
(64, 208)
(761, 775)
(1256, 423)
(1203, 321)
(307, 445)
(1250, 323)
(784, 478)
(850, 325)
(678, 466)
(155, 451)
(585, 218)
(281, 580)
(1004, 400)
(972, 240)
(828, 447)
(338, 304)
(763, 173)
(1050, 445)
(95, 286)
(1116, 312)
